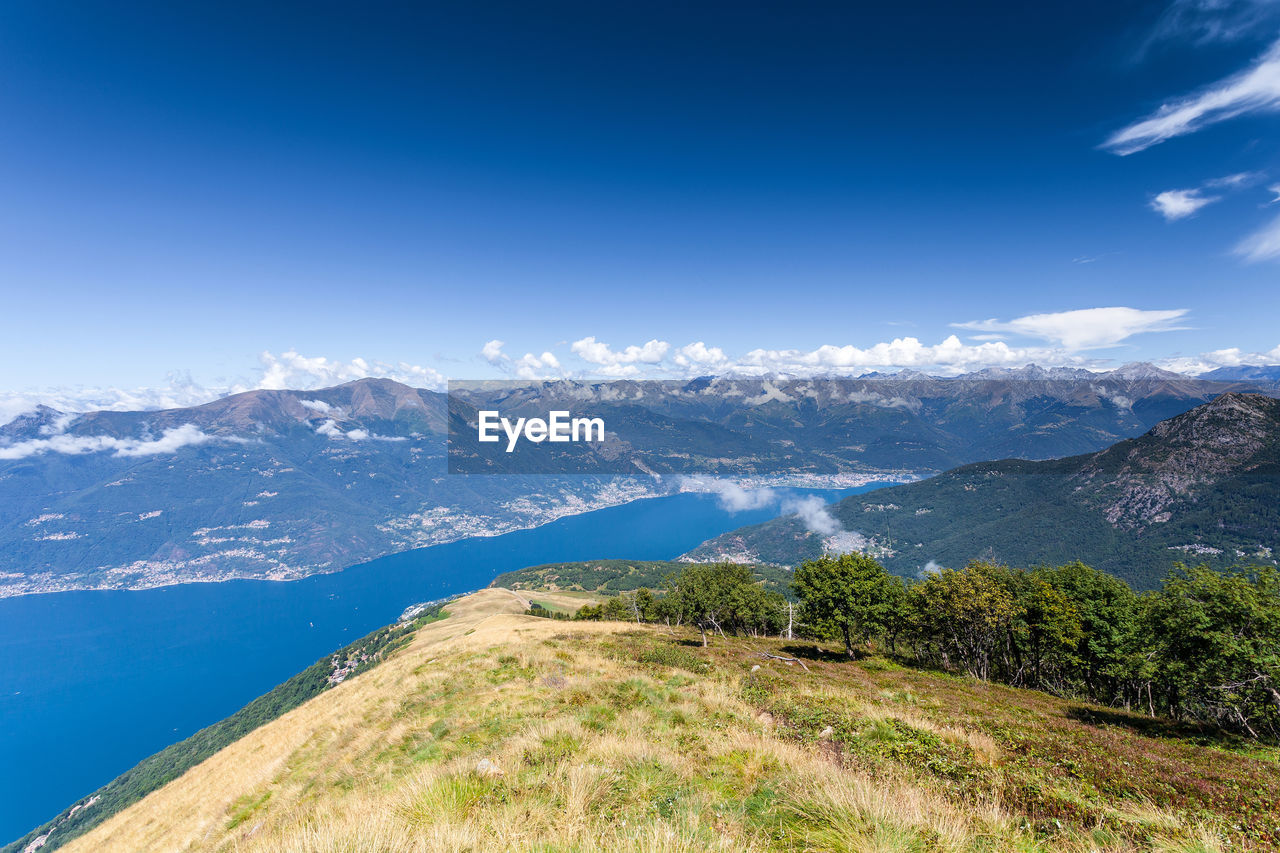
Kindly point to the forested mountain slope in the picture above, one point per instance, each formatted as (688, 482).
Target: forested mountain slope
(1200, 487)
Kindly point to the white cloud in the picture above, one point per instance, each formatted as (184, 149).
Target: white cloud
(932, 567)
(730, 495)
(1208, 21)
(1229, 357)
(1256, 89)
(597, 352)
(287, 371)
(811, 509)
(900, 352)
(177, 392)
(330, 429)
(813, 512)
(294, 371)
(530, 366)
(1236, 181)
(1261, 245)
(59, 425)
(170, 441)
(1235, 357)
(698, 355)
(319, 406)
(1179, 204)
(1086, 328)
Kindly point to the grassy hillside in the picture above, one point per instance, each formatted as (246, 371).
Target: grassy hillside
(494, 730)
(610, 577)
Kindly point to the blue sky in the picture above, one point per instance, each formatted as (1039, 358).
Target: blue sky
(210, 196)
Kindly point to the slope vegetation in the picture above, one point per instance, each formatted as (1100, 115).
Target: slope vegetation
(610, 577)
(1200, 487)
(496, 730)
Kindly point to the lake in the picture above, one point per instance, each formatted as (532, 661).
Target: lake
(93, 682)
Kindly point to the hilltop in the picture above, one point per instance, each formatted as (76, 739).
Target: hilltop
(611, 577)
(1203, 486)
(491, 729)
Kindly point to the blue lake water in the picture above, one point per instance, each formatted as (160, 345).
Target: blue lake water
(93, 682)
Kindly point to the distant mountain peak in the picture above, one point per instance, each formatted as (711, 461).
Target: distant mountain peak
(1135, 370)
(1244, 373)
(1030, 372)
(41, 420)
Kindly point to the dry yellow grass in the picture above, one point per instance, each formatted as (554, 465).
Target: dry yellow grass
(581, 751)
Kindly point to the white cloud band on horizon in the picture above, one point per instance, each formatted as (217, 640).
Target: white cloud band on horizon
(528, 366)
(293, 371)
(1229, 357)
(619, 362)
(288, 371)
(1069, 338)
(951, 355)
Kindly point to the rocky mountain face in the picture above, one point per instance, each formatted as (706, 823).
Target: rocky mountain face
(1138, 482)
(1203, 486)
(282, 484)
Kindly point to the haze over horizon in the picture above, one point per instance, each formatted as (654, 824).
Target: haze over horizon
(216, 199)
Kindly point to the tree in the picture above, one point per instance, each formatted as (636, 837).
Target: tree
(1107, 659)
(966, 615)
(1047, 629)
(646, 605)
(755, 610)
(1216, 646)
(712, 595)
(851, 595)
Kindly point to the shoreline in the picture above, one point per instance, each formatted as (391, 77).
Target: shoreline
(687, 485)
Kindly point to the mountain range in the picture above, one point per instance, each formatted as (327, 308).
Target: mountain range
(283, 484)
(266, 484)
(907, 421)
(1203, 486)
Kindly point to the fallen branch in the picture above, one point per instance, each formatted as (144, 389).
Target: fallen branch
(787, 661)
